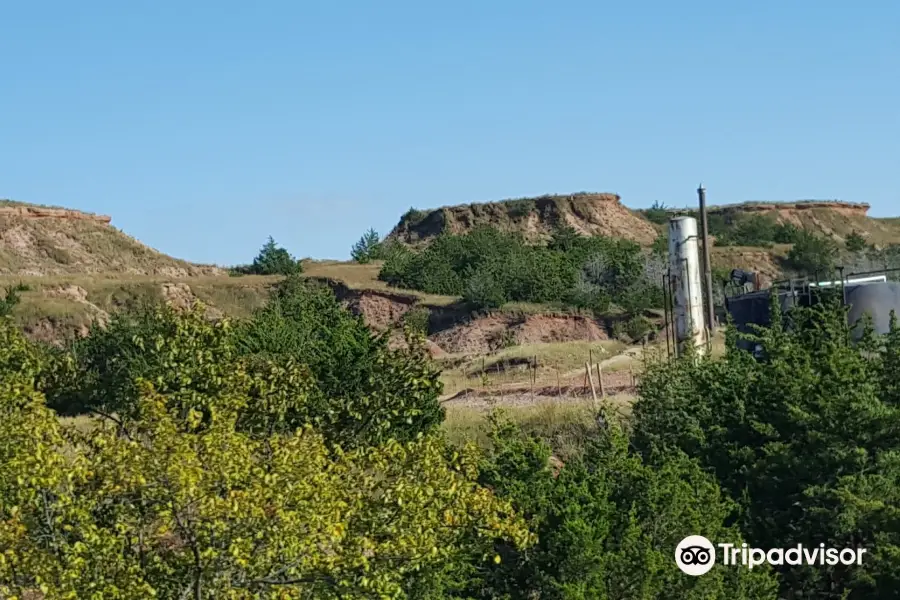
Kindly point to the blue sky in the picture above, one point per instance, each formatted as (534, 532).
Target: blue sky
(203, 127)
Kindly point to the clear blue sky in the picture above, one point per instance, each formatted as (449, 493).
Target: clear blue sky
(204, 126)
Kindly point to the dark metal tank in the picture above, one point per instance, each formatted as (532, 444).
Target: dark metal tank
(877, 299)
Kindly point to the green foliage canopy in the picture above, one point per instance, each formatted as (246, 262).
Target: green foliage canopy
(489, 268)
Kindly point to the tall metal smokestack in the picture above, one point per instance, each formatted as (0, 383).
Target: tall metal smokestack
(684, 266)
(707, 268)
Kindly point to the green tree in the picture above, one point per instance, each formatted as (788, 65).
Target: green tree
(364, 391)
(812, 254)
(855, 242)
(658, 213)
(303, 356)
(171, 504)
(273, 260)
(563, 239)
(368, 248)
(608, 522)
(803, 438)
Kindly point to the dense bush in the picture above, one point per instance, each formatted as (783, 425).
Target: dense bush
(271, 260)
(804, 439)
(812, 254)
(294, 455)
(658, 213)
(416, 320)
(303, 352)
(738, 229)
(489, 268)
(179, 500)
(608, 521)
(855, 242)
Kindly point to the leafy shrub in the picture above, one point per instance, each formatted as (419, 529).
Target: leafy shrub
(417, 319)
(855, 242)
(413, 217)
(364, 392)
(11, 298)
(741, 229)
(658, 213)
(818, 415)
(484, 291)
(812, 253)
(637, 327)
(563, 239)
(607, 522)
(661, 245)
(519, 209)
(169, 504)
(302, 352)
(588, 296)
(786, 233)
(489, 268)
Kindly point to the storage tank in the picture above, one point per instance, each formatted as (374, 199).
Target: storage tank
(875, 298)
(684, 268)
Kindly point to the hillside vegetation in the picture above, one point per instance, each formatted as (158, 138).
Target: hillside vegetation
(288, 436)
(241, 459)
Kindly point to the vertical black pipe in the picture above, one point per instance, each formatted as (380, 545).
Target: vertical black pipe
(674, 324)
(707, 269)
(668, 321)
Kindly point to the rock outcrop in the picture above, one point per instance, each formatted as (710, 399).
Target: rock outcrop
(536, 218)
(39, 212)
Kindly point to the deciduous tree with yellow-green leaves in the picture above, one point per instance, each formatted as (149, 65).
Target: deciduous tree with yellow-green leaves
(177, 498)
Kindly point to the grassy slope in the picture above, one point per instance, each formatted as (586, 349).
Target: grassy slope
(234, 296)
(69, 246)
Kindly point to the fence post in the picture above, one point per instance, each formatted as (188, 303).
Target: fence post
(600, 381)
(483, 380)
(533, 374)
(587, 368)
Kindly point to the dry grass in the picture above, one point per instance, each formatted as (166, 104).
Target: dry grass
(564, 424)
(64, 315)
(365, 277)
(530, 308)
(511, 365)
(8, 202)
(58, 246)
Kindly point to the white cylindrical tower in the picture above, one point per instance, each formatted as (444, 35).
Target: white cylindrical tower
(684, 267)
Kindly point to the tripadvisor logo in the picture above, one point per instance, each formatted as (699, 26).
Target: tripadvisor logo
(696, 555)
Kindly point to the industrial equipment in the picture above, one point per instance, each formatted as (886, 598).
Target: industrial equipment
(865, 293)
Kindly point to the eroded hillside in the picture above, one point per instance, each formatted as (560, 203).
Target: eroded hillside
(587, 213)
(37, 240)
(832, 218)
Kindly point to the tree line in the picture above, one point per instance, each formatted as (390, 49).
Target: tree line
(488, 268)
